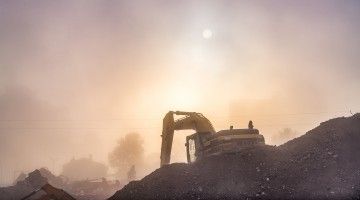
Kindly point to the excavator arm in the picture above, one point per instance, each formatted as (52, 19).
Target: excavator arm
(190, 121)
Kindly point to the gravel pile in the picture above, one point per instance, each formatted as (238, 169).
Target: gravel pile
(323, 163)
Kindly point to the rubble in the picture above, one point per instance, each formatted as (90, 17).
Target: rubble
(323, 163)
(50, 192)
(32, 186)
(93, 189)
(32, 183)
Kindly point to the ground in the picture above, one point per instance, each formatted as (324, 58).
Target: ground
(323, 163)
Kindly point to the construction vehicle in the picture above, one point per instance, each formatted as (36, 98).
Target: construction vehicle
(205, 141)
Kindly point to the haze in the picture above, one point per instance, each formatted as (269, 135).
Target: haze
(75, 76)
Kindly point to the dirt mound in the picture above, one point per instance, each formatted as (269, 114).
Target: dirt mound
(323, 163)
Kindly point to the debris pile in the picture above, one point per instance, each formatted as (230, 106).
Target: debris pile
(93, 189)
(323, 163)
(35, 184)
(30, 187)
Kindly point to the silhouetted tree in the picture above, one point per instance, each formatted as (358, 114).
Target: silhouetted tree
(283, 136)
(129, 151)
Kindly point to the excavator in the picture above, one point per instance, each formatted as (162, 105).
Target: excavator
(205, 141)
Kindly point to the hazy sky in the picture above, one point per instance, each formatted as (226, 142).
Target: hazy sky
(79, 74)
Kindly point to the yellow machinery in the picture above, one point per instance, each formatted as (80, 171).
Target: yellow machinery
(205, 141)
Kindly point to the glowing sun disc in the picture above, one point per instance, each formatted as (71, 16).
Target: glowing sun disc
(207, 34)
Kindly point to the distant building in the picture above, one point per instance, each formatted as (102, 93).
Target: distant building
(83, 169)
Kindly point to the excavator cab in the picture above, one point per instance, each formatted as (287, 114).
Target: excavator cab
(191, 148)
(194, 146)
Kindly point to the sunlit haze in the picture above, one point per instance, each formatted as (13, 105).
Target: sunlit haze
(75, 76)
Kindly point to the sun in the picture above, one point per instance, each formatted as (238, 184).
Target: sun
(207, 34)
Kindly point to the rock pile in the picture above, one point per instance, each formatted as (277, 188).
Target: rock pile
(323, 163)
(81, 190)
(22, 188)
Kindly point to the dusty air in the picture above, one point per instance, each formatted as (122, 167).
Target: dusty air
(153, 99)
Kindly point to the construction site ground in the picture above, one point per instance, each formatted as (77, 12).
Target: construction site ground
(322, 164)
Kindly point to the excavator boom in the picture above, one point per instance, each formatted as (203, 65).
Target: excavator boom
(167, 138)
(191, 120)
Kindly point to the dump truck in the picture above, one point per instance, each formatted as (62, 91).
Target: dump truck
(205, 141)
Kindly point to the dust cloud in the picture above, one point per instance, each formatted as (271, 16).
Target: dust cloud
(75, 76)
(128, 152)
(284, 135)
(84, 169)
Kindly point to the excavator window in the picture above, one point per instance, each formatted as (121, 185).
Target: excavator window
(192, 150)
